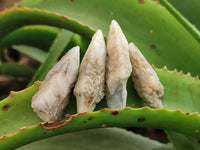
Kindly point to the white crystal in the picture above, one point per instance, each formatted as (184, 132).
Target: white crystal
(118, 67)
(53, 95)
(89, 88)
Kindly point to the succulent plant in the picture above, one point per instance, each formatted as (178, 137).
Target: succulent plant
(45, 30)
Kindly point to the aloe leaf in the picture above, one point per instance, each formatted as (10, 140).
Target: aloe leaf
(19, 103)
(18, 17)
(194, 32)
(55, 51)
(33, 52)
(180, 91)
(180, 141)
(15, 69)
(36, 35)
(147, 24)
(185, 7)
(165, 76)
(141, 117)
(81, 41)
(98, 139)
(180, 94)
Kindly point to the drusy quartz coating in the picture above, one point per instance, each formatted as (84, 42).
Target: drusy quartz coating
(118, 67)
(89, 88)
(145, 79)
(53, 95)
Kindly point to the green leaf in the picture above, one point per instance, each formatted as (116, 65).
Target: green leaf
(180, 91)
(142, 117)
(15, 69)
(36, 35)
(78, 40)
(160, 37)
(55, 51)
(14, 107)
(33, 52)
(18, 17)
(193, 31)
(185, 7)
(98, 139)
(180, 141)
(173, 120)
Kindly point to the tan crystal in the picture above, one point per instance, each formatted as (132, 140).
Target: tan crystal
(145, 79)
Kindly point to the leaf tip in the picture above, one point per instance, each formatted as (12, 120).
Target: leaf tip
(197, 77)
(146, 107)
(153, 66)
(165, 68)
(11, 93)
(37, 82)
(188, 74)
(104, 109)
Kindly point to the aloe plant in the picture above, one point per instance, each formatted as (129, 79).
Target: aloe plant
(162, 34)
